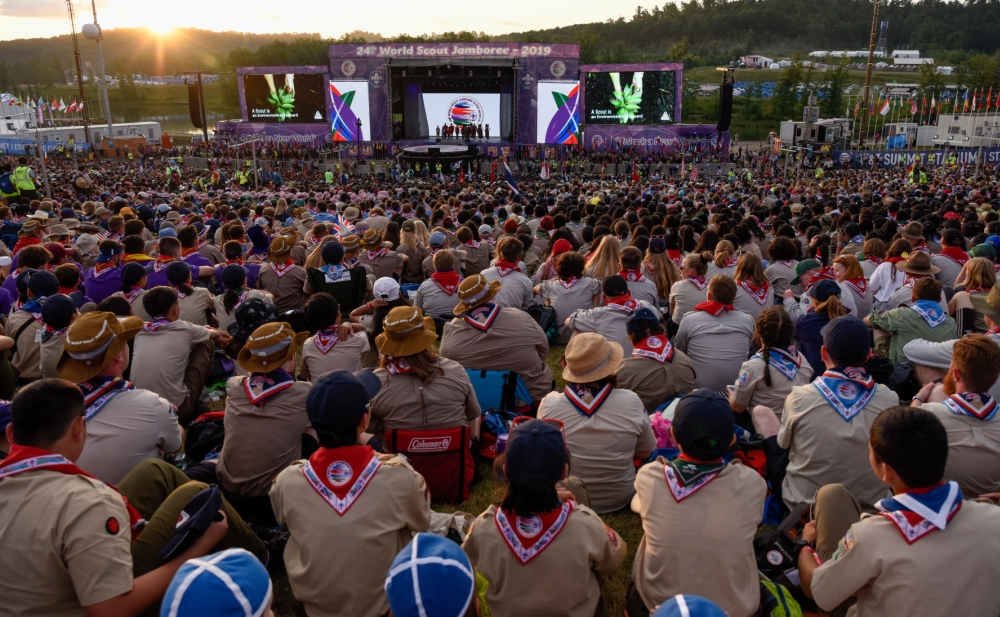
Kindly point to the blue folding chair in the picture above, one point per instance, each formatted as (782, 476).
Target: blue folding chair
(498, 389)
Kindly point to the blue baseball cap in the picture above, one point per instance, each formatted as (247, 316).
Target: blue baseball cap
(847, 338)
(338, 400)
(167, 232)
(430, 576)
(689, 606)
(536, 450)
(703, 424)
(231, 583)
(993, 241)
(194, 521)
(108, 253)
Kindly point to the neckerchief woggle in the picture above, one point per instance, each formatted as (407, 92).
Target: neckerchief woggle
(340, 475)
(920, 512)
(686, 477)
(786, 361)
(531, 535)
(260, 388)
(848, 390)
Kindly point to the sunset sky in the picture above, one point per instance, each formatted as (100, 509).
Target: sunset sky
(45, 18)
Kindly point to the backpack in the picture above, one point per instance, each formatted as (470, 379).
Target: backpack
(6, 184)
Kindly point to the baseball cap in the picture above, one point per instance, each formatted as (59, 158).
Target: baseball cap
(614, 286)
(43, 283)
(703, 424)
(58, 311)
(431, 576)
(536, 450)
(804, 266)
(561, 246)
(167, 232)
(437, 239)
(332, 252)
(822, 290)
(232, 583)
(107, 253)
(689, 606)
(640, 319)
(485, 230)
(984, 250)
(386, 289)
(233, 276)
(194, 521)
(657, 246)
(337, 402)
(993, 241)
(847, 339)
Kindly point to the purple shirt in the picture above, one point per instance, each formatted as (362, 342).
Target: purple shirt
(102, 285)
(197, 259)
(156, 278)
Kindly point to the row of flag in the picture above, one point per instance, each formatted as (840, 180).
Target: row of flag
(978, 101)
(41, 104)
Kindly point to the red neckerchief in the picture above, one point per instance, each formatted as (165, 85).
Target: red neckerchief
(237, 261)
(398, 366)
(657, 347)
(260, 388)
(531, 535)
(483, 316)
(632, 275)
(922, 247)
(282, 269)
(731, 262)
(823, 274)
(505, 267)
(156, 323)
(568, 283)
(675, 256)
(587, 399)
(895, 260)
(685, 476)
(188, 252)
(472, 244)
(161, 262)
(373, 255)
(447, 280)
(623, 303)
(995, 330)
(859, 285)
(180, 294)
(25, 458)
(759, 294)
(956, 254)
(133, 294)
(340, 475)
(68, 290)
(326, 339)
(713, 308)
(875, 260)
(100, 269)
(699, 281)
(970, 290)
(23, 242)
(787, 263)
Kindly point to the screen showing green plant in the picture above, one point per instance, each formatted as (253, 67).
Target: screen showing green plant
(630, 97)
(285, 97)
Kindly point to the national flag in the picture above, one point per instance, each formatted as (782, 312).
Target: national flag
(857, 106)
(342, 227)
(913, 107)
(42, 104)
(933, 104)
(989, 99)
(79, 108)
(885, 108)
(975, 95)
(635, 173)
(997, 103)
(5, 99)
(72, 107)
(461, 173)
(62, 105)
(509, 176)
(41, 118)
(544, 173)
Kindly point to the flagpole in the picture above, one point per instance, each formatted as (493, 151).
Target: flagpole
(870, 65)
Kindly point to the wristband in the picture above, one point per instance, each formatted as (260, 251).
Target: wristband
(815, 557)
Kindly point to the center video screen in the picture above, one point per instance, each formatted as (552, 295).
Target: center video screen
(631, 97)
(285, 97)
(459, 109)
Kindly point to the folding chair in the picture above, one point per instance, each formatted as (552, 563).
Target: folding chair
(349, 294)
(443, 457)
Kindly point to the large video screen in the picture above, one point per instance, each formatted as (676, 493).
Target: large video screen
(442, 108)
(348, 104)
(558, 112)
(631, 97)
(285, 97)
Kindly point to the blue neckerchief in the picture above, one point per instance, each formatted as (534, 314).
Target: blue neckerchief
(33, 305)
(482, 316)
(787, 361)
(99, 391)
(262, 387)
(931, 311)
(919, 512)
(334, 273)
(848, 390)
(858, 239)
(973, 404)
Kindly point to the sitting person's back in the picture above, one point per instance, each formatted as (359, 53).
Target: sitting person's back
(516, 290)
(924, 318)
(656, 371)
(436, 295)
(335, 345)
(570, 292)
(608, 320)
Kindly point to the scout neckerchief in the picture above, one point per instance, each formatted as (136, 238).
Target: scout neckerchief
(472, 244)
(919, 512)
(823, 274)
(335, 273)
(848, 390)
(162, 262)
(685, 476)
(972, 404)
(859, 285)
(180, 294)
(787, 361)
(759, 294)
(788, 263)
(699, 281)
(922, 247)
(46, 332)
(398, 366)
(234, 262)
(99, 391)
(34, 306)
(568, 283)
(282, 269)
(340, 475)
(325, 339)
(25, 458)
(505, 267)
(531, 535)
(713, 308)
(931, 312)
(875, 260)
(675, 256)
(483, 316)
(635, 276)
(133, 293)
(352, 262)
(623, 303)
(956, 254)
(731, 262)
(260, 388)
(373, 255)
(447, 280)
(858, 239)
(656, 347)
(185, 253)
(587, 398)
(100, 269)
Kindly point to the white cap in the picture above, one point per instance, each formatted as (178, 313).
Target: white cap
(386, 289)
(485, 230)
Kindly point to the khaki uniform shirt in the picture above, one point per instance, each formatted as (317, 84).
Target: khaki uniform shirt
(478, 258)
(344, 355)
(606, 321)
(434, 301)
(211, 253)
(656, 383)
(516, 290)
(578, 297)
(973, 451)
(27, 356)
(136, 303)
(513, 343)
(604, 445)
(717, 346)
(428, 264)
(684, 296)
(382, 266)
(560, 580)
(750, 389)
(826, 449)
(194, 305)
(260, 441)
(405, 402)
(337, 564)
(890, 577)
(413, 271)
(131, 427)
(160, 359)
(227, 319)
(58, 553)
(644, 290)
(780, 276)
(49, 353)
(702, 545)
(287, 289)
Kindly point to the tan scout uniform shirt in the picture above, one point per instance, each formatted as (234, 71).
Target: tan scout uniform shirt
(27, 353)
(434, 301)
(260, 441)
(604, 445)
(405, 402)
(684, 296)
(702, 545)
(344, 355)
(49, 353)
(478, 258)
(193, 306)
(136, 303)
(382, 266)
(413, 271)
(717, 346)
(826, 449)
(337, 564)
(577, 297)
(516, 290)
(655, 382)
(560, 580)
(131, 427)
(428, 264)
(973, 451)
(227, 319)
(513, 343)
(606, 321)
(750, 389)
(287, 289)
(58, 555)
(780, 276)
(161, 358)
(953, 571)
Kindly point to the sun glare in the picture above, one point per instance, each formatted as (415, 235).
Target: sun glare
(162, 28)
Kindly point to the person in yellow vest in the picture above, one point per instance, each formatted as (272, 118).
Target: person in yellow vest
(23, 178)
(180, 160)
(819, 173)
(131, 157)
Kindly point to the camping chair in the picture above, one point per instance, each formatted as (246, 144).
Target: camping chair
(443, 457)
(349, 294)
(498, 390)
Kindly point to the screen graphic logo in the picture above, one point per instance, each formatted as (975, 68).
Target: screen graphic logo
(465, 111)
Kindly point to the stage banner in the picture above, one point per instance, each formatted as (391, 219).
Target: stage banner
(307, 134)
(924, 158)
(560, 75)
(9, 146)
(276, 96)
(686, 137)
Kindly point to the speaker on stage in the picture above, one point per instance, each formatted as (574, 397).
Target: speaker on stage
(435, 152)
(725, 106)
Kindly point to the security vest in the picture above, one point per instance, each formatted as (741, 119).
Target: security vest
(22, 179)
(130, 157)
(328, 176)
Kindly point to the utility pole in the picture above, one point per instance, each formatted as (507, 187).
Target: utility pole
(868, 77)
(79, 71)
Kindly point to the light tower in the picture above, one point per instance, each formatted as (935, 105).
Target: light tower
(94, 33)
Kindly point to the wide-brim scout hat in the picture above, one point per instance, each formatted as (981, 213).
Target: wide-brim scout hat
(406, 332)
(270, 346)
(590, 357)
(92, 343)
(474, 291)
(29, 227)
(918, 262)
(351, 244)
(988, 304)
(373, 238)
(912, 231)
(280, 248)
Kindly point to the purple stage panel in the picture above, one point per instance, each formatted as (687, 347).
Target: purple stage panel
(310, 134)
(656, 138)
